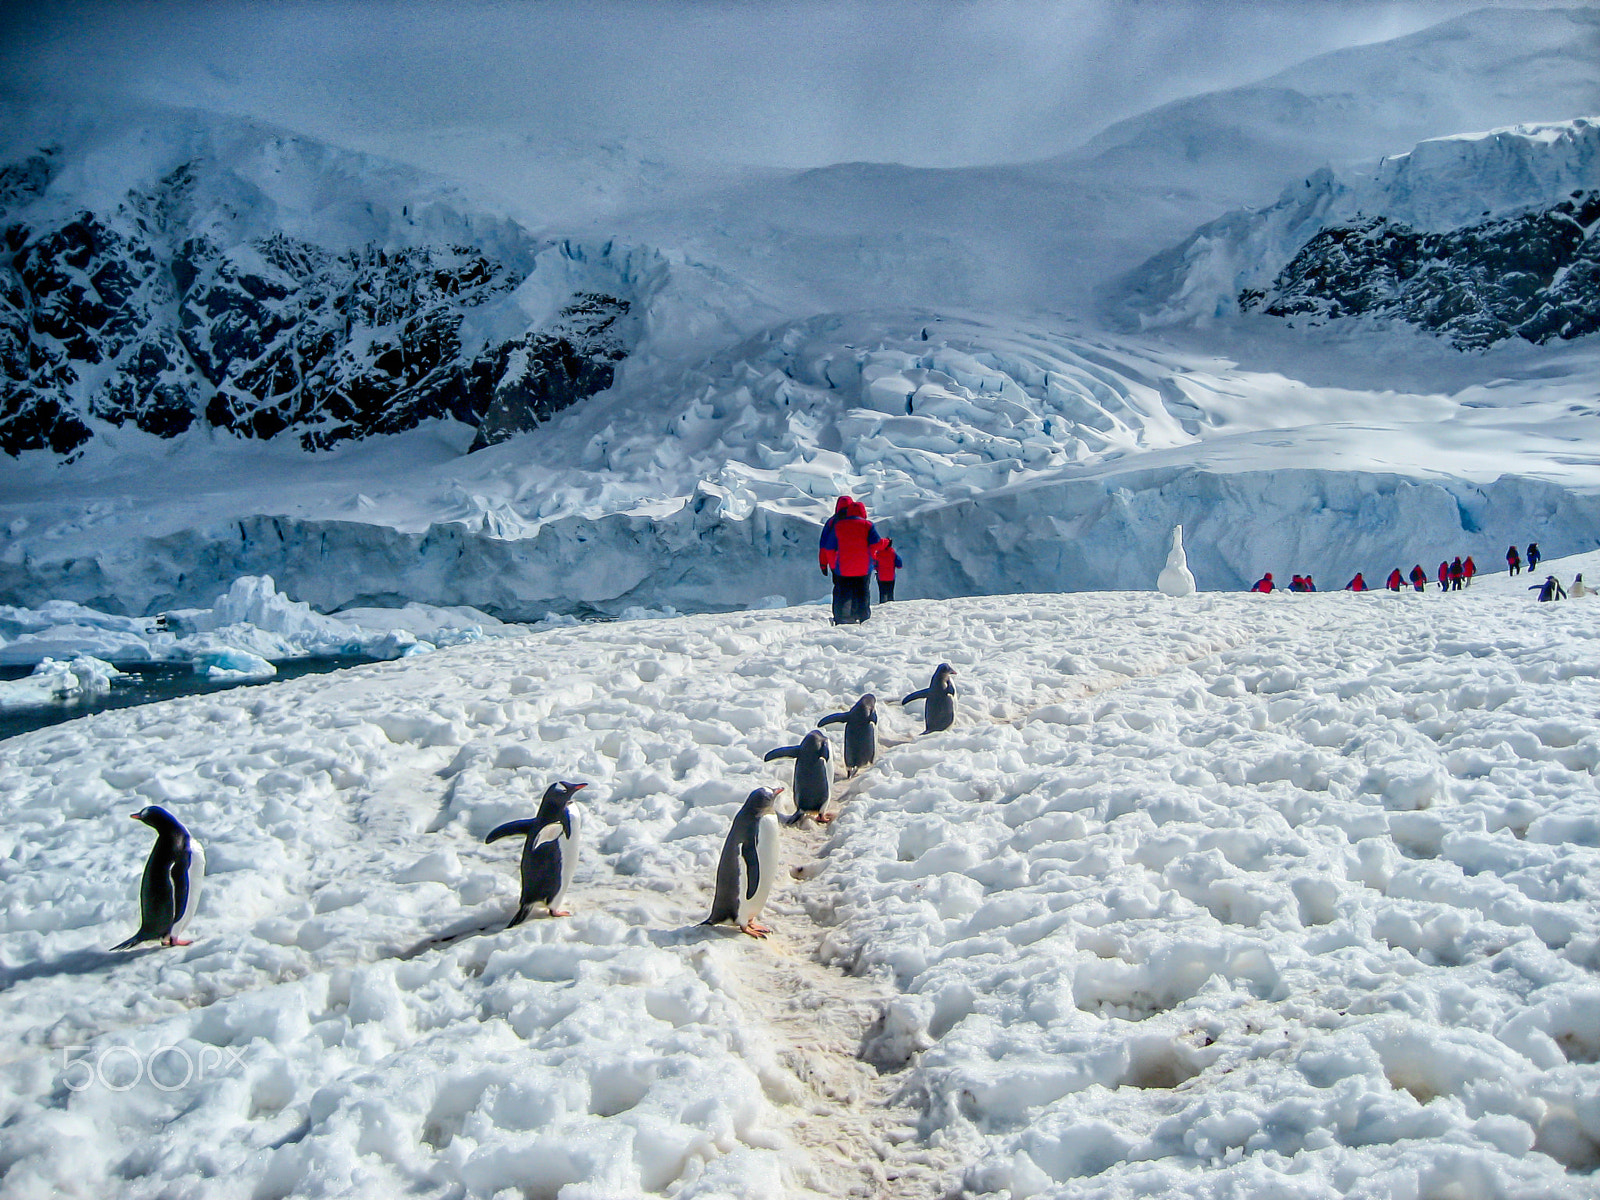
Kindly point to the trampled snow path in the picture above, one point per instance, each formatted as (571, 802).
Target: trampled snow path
(1230, 895)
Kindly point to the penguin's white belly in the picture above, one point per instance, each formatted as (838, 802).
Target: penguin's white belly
(197, 875)
(750, 905)
(568, 845)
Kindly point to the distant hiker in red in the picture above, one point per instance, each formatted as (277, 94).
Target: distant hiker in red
(1395, 580)
(1264, 584)
(1513, 560)
(1419, 577)
(1310, 586)
(847, 551)
(1468, 570)
(888, 562)
(1358, 584)
(1296, 584)
(1456, 573)
(1444, 577)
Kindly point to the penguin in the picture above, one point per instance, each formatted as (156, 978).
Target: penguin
(170, 889)
(860, 733)
(748, 865)
(550, 853)
(813, 775)
(940, 694)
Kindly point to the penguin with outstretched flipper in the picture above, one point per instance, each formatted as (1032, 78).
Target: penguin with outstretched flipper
(813, 775)
(170, 890)
(860, 733)
(940, 710)
(549, 853)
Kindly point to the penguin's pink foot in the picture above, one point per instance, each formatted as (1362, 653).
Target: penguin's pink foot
(560, 912)
(754, 930)
(824, 818)
(172, 941)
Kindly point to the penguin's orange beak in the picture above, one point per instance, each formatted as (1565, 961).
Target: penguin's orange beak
(578, 786)
(133, 816)
(776, 792)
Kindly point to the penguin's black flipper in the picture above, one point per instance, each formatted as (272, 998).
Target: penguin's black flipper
(833, 719)
(919, 694)
(512, 829)
(752, 867)
(520, 915)
(794, 817)
(781, 752)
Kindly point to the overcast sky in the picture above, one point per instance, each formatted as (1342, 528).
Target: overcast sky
(771, 83)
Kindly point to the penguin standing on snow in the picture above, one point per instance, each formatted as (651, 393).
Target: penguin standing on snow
(940, 694)
(748, 865)
(860, 733)
(170, 889)
(550, 853)
(813, 775)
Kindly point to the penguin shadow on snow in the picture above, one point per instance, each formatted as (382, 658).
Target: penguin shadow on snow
(78, 962)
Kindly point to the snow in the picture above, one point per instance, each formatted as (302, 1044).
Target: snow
(1176, 579)
(1283, 895)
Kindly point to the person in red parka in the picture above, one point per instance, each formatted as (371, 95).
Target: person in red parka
(1264, 584)
(1444, 577)
(1395, 580)
(847, 551)
(1456, 570)
(1513, 560)
(1419, 577)
(1468, 570)
(840, 507)
(887, 562)
(1358, 584)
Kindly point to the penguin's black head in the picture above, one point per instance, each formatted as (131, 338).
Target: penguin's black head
(817, 740)
(158, 819)
(763, 799)
(868, 703)
(943, 670)
(563, 791)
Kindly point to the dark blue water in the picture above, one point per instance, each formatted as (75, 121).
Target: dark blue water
(145, 683)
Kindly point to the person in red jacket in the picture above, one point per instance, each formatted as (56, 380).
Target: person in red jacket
(1456, 570)
(840, 507)
(1468, 570)
(1264, 584)
(847, 551)
(1358, 584)
(1395, 580)
(887, 562)
(1513, 560)
(1419, 577)
(1444, 577)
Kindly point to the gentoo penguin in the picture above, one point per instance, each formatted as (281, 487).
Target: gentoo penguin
(170, 889)
(860, 733)
(813, 775)
(550, 853)
(748, 865)
(940, 711)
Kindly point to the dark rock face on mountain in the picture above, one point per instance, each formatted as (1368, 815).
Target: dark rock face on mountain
(1535, 275)
(135, 317)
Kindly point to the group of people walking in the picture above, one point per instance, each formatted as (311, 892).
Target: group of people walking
(851, 549)
(1453, 575)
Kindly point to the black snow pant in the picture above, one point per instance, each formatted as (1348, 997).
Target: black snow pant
(852, 603)
(885, 591)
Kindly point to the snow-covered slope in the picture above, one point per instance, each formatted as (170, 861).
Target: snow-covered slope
(1481, 236)
(1229, 895)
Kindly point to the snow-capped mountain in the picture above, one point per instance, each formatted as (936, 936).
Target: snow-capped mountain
(1479, 237)
(194, 298)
